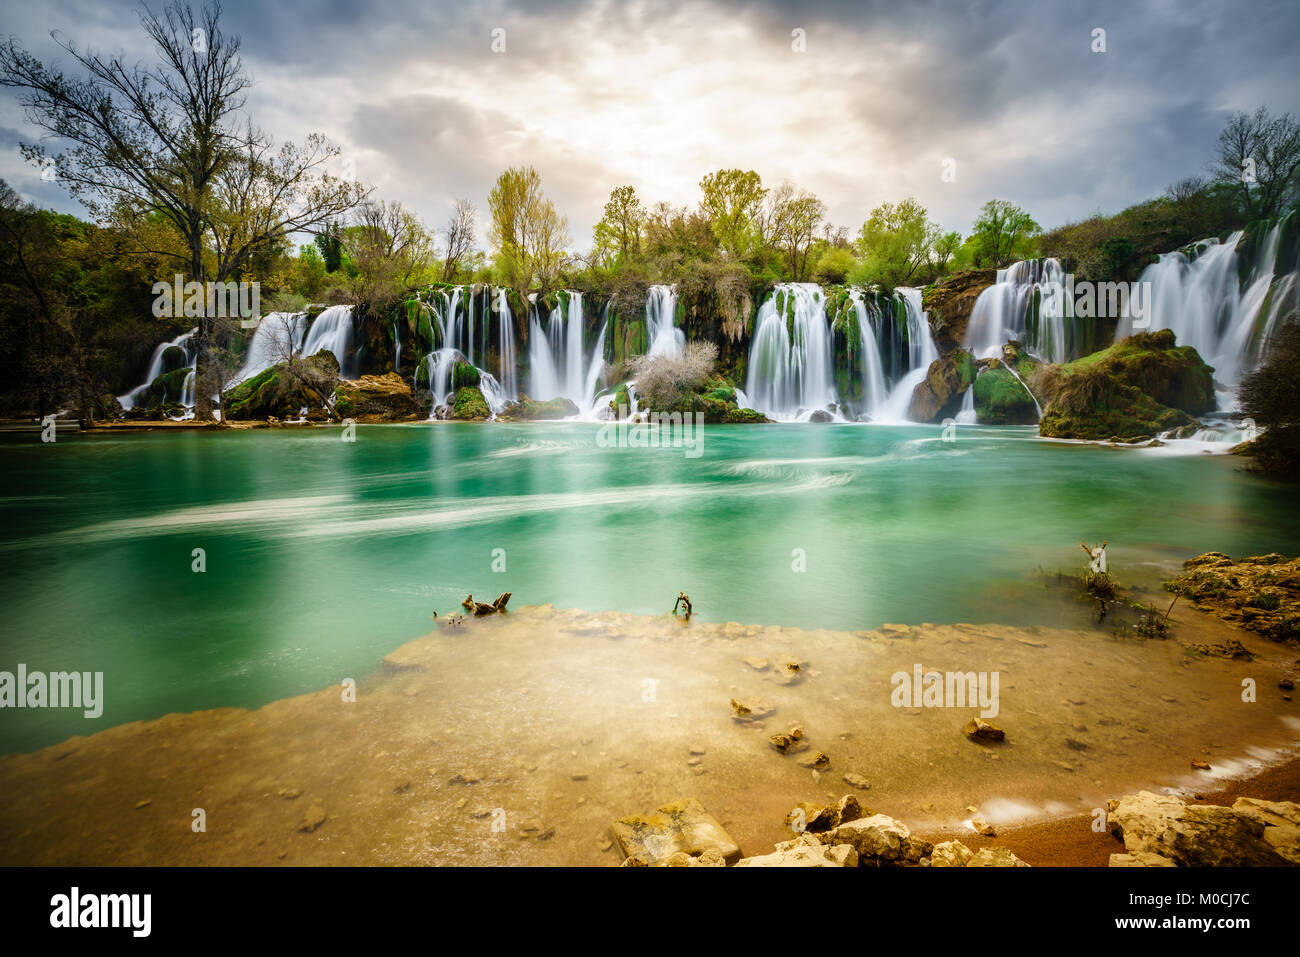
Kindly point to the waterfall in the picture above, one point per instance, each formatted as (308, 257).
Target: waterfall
(1026, 303)
(558, 361)
(332, 330)
(921, 351)
(1226, 312)
(967, 414)
(183, 341)
(509, 377)
(660, 315)
(277, 337)
(790, 361)
(874, 386)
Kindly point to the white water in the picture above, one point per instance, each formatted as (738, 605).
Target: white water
(559, 362)
(660, 315)
(332, 330)
(509, 377)
(156, 367)
(921, 352)
(967, 416)
(1228, 322)
(875, 389)
(1002, 310)
(282, 335)
(790, 375)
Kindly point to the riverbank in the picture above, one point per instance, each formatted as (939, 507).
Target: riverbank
(519, 739)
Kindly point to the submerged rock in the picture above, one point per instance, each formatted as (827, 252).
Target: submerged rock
(375, 398)
(816, 818)
(981, 729)
(805, 851)
(681, 826)
(995, 857)
(1260, 593)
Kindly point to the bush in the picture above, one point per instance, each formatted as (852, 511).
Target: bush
(665, 383)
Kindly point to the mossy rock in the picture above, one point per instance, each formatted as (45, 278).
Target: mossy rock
(1092, 405)
(1001, 399)
(166, 389)
(1172, 375)
(557, 408)
(174, 358)
(469, 405)
(464, 376)
(744, 416)
(282, 393)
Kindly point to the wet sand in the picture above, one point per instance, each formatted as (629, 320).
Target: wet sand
(517, 739)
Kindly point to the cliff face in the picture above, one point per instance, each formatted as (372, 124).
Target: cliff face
(949, 304)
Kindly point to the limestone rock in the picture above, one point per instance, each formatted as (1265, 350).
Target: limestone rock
(1140, 859)
(683, 825)
(995, 857)
(1204, 835)
(816, 818)
(979, 728)
(951, 854)
(805, 851)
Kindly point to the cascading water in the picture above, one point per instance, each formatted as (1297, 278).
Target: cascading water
(509, 377)
(790, 372)
(660, 315)
(184, 342)
(921, 351)
(278, 336)
(875, 388)
(558, 361)
(332, 330)
(1227, 313)
(1026, 303)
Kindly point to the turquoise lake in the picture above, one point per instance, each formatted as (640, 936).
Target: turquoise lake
(323, 555)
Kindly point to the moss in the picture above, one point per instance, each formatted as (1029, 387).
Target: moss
(557, 408)
(744, 416)
(464, 376)
(1153, 362)
(1093, 405)
(1001, 399)
(470, 404)
(174, 358)
(166, 389)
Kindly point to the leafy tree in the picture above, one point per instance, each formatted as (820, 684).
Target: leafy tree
(1271, 396)
(527, 233)
(895, 243)
(1002, 234)
(330, 243)
(620, 228)
(1259, 155)
(793, 221)
(732, 203)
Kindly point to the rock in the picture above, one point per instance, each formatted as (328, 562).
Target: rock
(949, 304)
(758, 664)
(1140, 859)
(1200, 765)
(856, 780)
(983, 827)
(709, 858)
(939, 394)
(289, 793)
(995, 857)
(1202, 835)
(789, 671)
(879, 839)
(820, 415)
(1259, 593)
(817, 761)
(750, 710)
(557, 408)
(950, 854)
(979, 728)
(683, 825)
(805, 852)
(465, 777)
(469, 405)
(282, 390)
(375, 398)
(313, 819)
(789, 742)
(817, 818)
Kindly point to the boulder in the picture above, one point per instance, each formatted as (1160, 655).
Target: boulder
(680, 826)
(557, 408)
(1260, 593)
(1139, 859)
(1003, 399)
(949, 304)
(469, 405)
(282, 390)
(995, 857)
(805, 851)
(879, 840)
(817, 818)
(939, 394)
(1206, 835)
(375, 398)
(951, 854)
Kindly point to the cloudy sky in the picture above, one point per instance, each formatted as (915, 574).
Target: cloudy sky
(598, 94)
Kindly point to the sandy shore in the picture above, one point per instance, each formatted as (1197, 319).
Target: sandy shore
(518, 739)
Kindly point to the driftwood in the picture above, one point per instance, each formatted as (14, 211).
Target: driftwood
(683, 599)
(478, 608)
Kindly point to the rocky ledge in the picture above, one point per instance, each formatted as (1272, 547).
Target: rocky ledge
(1260, 593)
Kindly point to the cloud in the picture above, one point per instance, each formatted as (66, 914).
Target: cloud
(596, 94)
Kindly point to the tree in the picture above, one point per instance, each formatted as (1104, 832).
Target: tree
(330, 243)
(895, 242)
(945, 250)
(1260, 156)
(623, 221)
(391, 250)
(527, 233)
(170, 140)
(793, 220)
(1002, 234)
(460, 233)
(732, 202)
(1271, 396)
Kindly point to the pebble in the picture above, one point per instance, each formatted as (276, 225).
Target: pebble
(856, 780)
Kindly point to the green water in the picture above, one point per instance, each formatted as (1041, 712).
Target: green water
(322, 555)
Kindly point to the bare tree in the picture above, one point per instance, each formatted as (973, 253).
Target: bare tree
(169, 141)
(1260, 155)
(461, 232)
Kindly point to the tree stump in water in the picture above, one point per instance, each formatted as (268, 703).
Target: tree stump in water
(478, 608)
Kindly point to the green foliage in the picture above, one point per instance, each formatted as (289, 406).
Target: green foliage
(896, 242)
(1002, 234)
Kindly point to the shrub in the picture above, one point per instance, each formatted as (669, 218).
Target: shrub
(665, 383)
